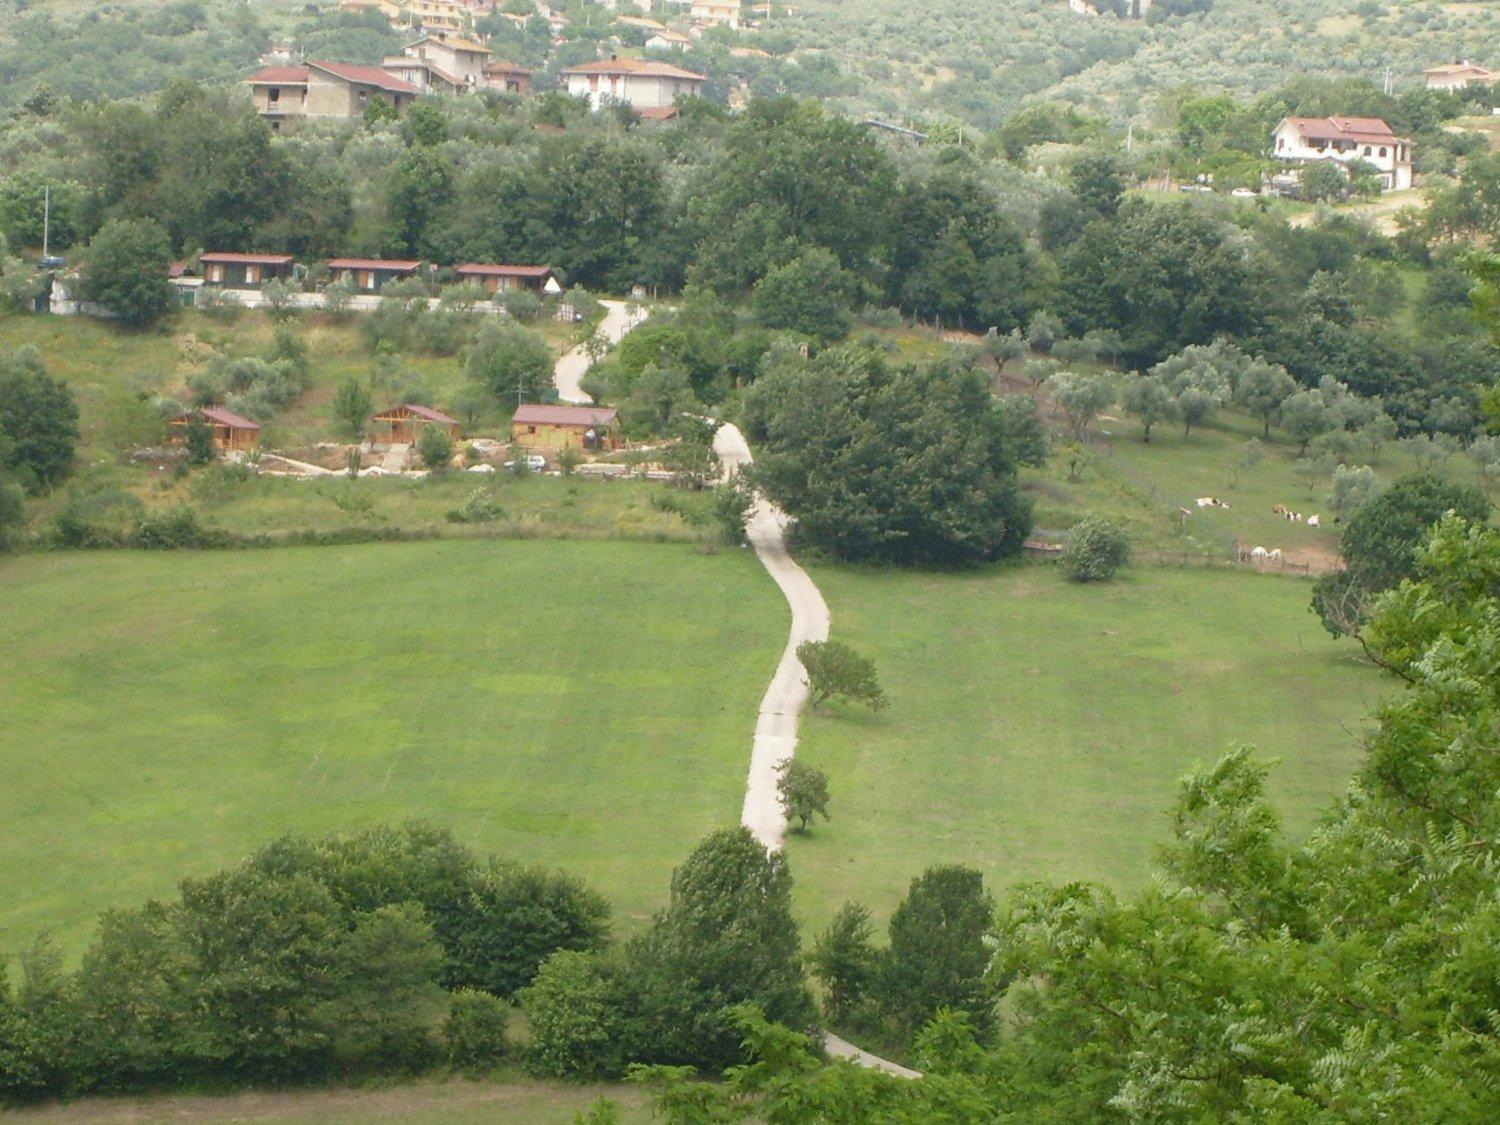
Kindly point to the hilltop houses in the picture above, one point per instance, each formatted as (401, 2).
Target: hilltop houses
(717, 13)
(640, 83)
(324, 89)
(1344, 140)
(441, 65)
(1459, 76)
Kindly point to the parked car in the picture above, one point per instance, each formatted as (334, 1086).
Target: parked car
(535, 462)
(1244, 193)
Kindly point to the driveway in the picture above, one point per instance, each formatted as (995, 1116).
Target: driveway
(571, 368)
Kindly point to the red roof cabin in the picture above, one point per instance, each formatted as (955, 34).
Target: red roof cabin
(370, 275)
(245, 271)
(500, 279)
(535, 426)
(402, 425)
(230, 431)
(507, 76)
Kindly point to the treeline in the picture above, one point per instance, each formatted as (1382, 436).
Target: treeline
(382, 951)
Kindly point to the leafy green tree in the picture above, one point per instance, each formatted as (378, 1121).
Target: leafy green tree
(419, 193)
(1082, 398)
(38, 422)
(1305, 416)
(512, 918)
(1380, 543)
(12, 511)
(353, 404)
(23, 208)
(803, 792)
(836, 671)
(513, 363)
(199, 439)
(126, 271)
(435, 448)
(1098, 181)
(1095, 551)
(389, 997)
(726, 937)
(1262, 388)
(937, 956)
(1025, 432)
(908, 464)
(576, 1009)
(475, 1031)
(1324, 181)
(1147, 397)
(845, 961)
(792, 177)
(809, 295)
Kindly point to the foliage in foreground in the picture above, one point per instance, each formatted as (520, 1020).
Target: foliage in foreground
(836, 671)
(1095, 551)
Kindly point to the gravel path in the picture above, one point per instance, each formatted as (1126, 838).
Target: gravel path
(571, 368)
(776, 725)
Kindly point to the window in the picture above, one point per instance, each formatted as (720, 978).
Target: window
(531, 429)
(252, 275)
(1382, 150)
(274, 96)
(1367, 150)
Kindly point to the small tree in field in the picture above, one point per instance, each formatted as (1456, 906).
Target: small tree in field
(836, 671)
(199, 440)
(1095, 551)
(803, 791)
(352, 404)
(434, 447)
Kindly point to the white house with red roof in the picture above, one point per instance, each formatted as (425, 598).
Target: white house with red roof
(441, 64)
(324, 89)
(1459, 76)
(641, 83)
(1344, 140)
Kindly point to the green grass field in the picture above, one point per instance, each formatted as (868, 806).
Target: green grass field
(1037, 728)
(583, 704)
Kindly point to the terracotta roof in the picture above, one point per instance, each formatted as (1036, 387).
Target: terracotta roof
(1344, 129)
(500, 66)
(221, 416)
(426, 412)
(639, 21)
(657, 112)
(644, 67)
(534, 414)
(177, 269)
(372, 264)
(456, 43)
(1459, 68)
(365, 75)
(248, 259)
(487, 269)
(279, 76)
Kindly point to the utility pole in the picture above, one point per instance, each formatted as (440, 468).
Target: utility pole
(46, 219)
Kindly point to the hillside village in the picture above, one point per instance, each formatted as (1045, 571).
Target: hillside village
(717, 561)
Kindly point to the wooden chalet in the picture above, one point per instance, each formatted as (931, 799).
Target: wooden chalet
(369, 275)
(401, 425)
(244, 271)
(501, 278)
(230, 431)
(594, 428)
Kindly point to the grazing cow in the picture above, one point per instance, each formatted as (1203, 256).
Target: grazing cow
(1313, 521)
(1258, 553)
(1274, 554)
(1279, 509)
(1210, 502)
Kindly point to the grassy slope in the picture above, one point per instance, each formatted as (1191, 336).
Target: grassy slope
(1036, 728)
(165, 714)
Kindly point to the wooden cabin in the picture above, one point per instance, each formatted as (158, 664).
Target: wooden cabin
(230, 431)
(500, 278)
(594, 428)
(402, 425)
(245, 271)
(369, 275)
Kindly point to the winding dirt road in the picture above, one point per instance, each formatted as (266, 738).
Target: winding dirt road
(571, 368)
(776, 724)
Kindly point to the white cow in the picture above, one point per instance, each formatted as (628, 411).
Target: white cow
(1313, 521)
(1274, 554)
(1258, 552)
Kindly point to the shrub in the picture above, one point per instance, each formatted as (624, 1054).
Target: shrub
(577, 1022)
(836, 671)
(434, 447)
(474, 1031)
(1096, 550)
(479, 506)
(173, 529)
